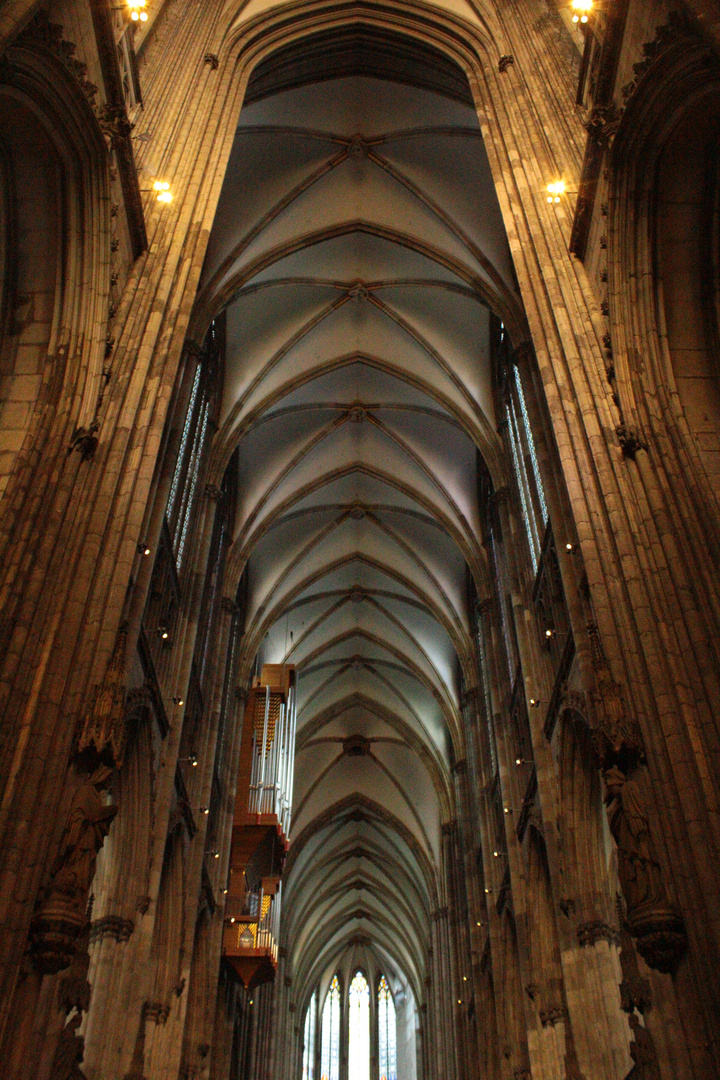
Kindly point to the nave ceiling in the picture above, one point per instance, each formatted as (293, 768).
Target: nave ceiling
(357, 253)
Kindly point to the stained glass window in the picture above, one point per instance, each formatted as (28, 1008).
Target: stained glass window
(359, 1028)
(531, 447)
(387, 1048)
(184, 447)
(330, 1059)
(527, 469)
(309, 1049)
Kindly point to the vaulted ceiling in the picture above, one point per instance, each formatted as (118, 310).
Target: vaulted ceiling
(357, 252)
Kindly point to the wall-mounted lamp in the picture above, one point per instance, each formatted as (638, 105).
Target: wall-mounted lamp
(193, 761)
(581, 10)
(162, 630)
(557, 188)
(162, 190)
(204, 809)
(137, 12)
(521, 761)
(178, 701)
(143, 549)
(571, 548)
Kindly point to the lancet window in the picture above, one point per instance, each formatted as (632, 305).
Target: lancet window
(196, 426)
(359, 1028)
(387, 1038)
(525, 464)
(330, 1058)
(308, 1072)
(184, 482)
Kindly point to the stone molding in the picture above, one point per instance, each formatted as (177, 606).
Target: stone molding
(589, 933)
(553, 1015)
(112, 926)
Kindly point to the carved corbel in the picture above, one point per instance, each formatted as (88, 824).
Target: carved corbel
(114, 124)
(630, 441)
(556, 1014)
(85, 441)
(603, 122)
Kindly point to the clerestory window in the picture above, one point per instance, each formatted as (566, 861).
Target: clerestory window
(330, 1057)
(308, 1072)
(387, 1048)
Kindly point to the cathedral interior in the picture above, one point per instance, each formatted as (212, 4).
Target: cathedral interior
(360, 539)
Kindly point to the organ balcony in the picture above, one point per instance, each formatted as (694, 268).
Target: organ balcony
(261, 823)
(251, 932)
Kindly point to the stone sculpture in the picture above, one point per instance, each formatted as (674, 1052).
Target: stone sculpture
(62, 913)
(656, 926)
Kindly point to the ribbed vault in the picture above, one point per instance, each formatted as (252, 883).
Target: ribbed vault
(357, 254)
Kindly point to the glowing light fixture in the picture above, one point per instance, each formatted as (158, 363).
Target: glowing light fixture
(555, 190)
(137, 10)
(581, 10)
(163, 191)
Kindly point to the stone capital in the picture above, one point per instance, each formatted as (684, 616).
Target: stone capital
(594, 930)
(111, 926)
